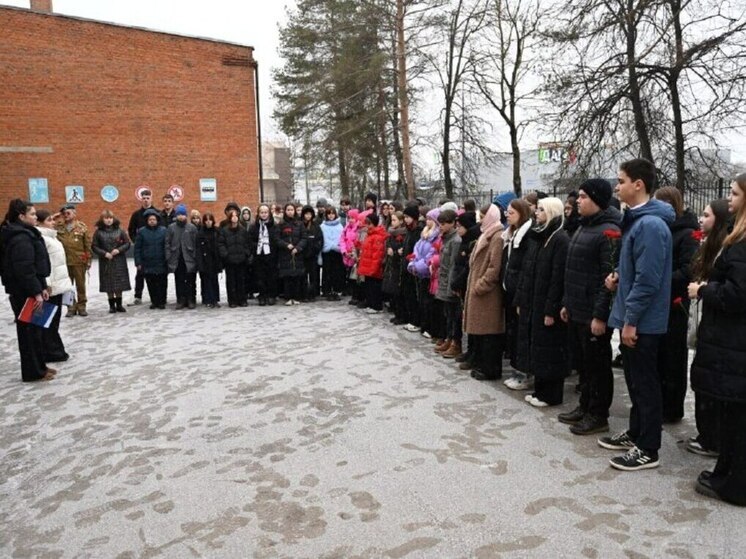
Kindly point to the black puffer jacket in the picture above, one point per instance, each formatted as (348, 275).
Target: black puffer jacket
(684, 247)
(314, 240)
(233, 245)
(513, 256)
(290, 232)
(392, 264)
(25, 261)
(208, 253)
(719, 368)
(460, 273)
(589, 261)
(542, 350)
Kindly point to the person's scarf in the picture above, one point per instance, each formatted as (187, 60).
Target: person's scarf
(262, 246)
(489, 225)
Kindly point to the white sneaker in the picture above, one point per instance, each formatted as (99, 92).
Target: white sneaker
(522, 384)
(538, 403)
(427, 335)
(289, 303)
(296, 302)
(511, 382)
(528, 397)
(372, 311)
(411, 328)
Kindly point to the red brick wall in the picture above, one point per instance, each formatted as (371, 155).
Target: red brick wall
(126, 107)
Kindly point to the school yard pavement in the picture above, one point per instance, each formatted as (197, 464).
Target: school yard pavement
(315, 431)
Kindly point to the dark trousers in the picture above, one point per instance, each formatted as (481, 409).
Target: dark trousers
(452, 311)
(550, 391)
(487, 353)
(373, 293)
(235, 286)
(707, 414)
(157, 285)
(333, 275)
(511, 333)
(312, 278)
(437, 319)
(673, 364)
(210, 288)
(425, 304)
(293, 287)
(30, 344)
(643, 383)
(729, 477)
(54, 348)
(409, 297)
(265, 275)
(593, 358)
(186, 283)
(139, 283)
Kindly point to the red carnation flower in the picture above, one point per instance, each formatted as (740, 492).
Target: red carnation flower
(698, 235)
(612, 234)
(677, 301)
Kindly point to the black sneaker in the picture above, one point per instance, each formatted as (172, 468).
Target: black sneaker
(588, 425)
(635, 459)
(693, 445)
(620, 441)
(571, 417)
(617, 362)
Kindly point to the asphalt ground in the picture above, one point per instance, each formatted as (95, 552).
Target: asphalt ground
(316, 431)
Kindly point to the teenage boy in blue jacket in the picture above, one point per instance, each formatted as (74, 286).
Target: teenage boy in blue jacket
(640, 310)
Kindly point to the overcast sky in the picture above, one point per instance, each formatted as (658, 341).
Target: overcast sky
(249, 22)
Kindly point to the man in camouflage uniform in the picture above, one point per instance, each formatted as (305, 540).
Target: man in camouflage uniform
(76, 239)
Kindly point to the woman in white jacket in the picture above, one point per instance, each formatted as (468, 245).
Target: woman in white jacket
(58, 282)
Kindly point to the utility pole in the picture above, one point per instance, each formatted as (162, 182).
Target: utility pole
(403, 100)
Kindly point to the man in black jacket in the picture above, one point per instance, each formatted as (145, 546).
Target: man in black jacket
(586, 305)
(137, 222)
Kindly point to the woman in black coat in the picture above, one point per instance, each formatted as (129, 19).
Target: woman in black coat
(24, 263)
(314, 244)
(208, 261)
(673, 353)
(469, 231)
(719, 367)
(519, 223)
(233, 244)
(291, 243)
(542, 346)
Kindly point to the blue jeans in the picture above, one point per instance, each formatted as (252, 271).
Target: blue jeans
(644, 385)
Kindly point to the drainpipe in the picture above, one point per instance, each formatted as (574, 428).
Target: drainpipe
(259, 131)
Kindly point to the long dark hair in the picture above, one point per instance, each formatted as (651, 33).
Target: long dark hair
(704, 259)
(17, 208)
(205, 217)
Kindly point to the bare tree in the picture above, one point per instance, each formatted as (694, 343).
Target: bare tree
(506, 72)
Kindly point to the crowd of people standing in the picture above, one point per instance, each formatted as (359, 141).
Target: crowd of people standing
(538, 282)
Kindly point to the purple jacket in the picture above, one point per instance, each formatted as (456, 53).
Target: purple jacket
(423, 252)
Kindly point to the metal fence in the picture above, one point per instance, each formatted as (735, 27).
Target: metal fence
(698, 197)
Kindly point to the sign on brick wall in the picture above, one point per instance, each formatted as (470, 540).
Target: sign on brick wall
(208, 190)
(38, 191)
(74, 194)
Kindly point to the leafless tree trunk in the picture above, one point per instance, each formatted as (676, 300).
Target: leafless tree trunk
(403, 99)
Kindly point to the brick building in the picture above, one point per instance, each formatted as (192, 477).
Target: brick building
(91, 104)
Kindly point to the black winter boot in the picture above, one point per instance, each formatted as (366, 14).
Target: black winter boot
(119, 306)
(112, 305)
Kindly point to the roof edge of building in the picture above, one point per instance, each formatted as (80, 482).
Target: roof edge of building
(123, 26)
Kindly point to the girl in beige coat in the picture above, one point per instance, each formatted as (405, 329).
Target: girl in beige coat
(483, 306)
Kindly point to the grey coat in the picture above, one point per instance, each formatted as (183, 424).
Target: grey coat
(181, 239)
(448, 252)
(113, 275)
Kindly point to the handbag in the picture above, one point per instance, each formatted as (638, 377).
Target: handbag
(695, 315)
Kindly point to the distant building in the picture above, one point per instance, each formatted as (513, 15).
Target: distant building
(94, 110)
(278, 173)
